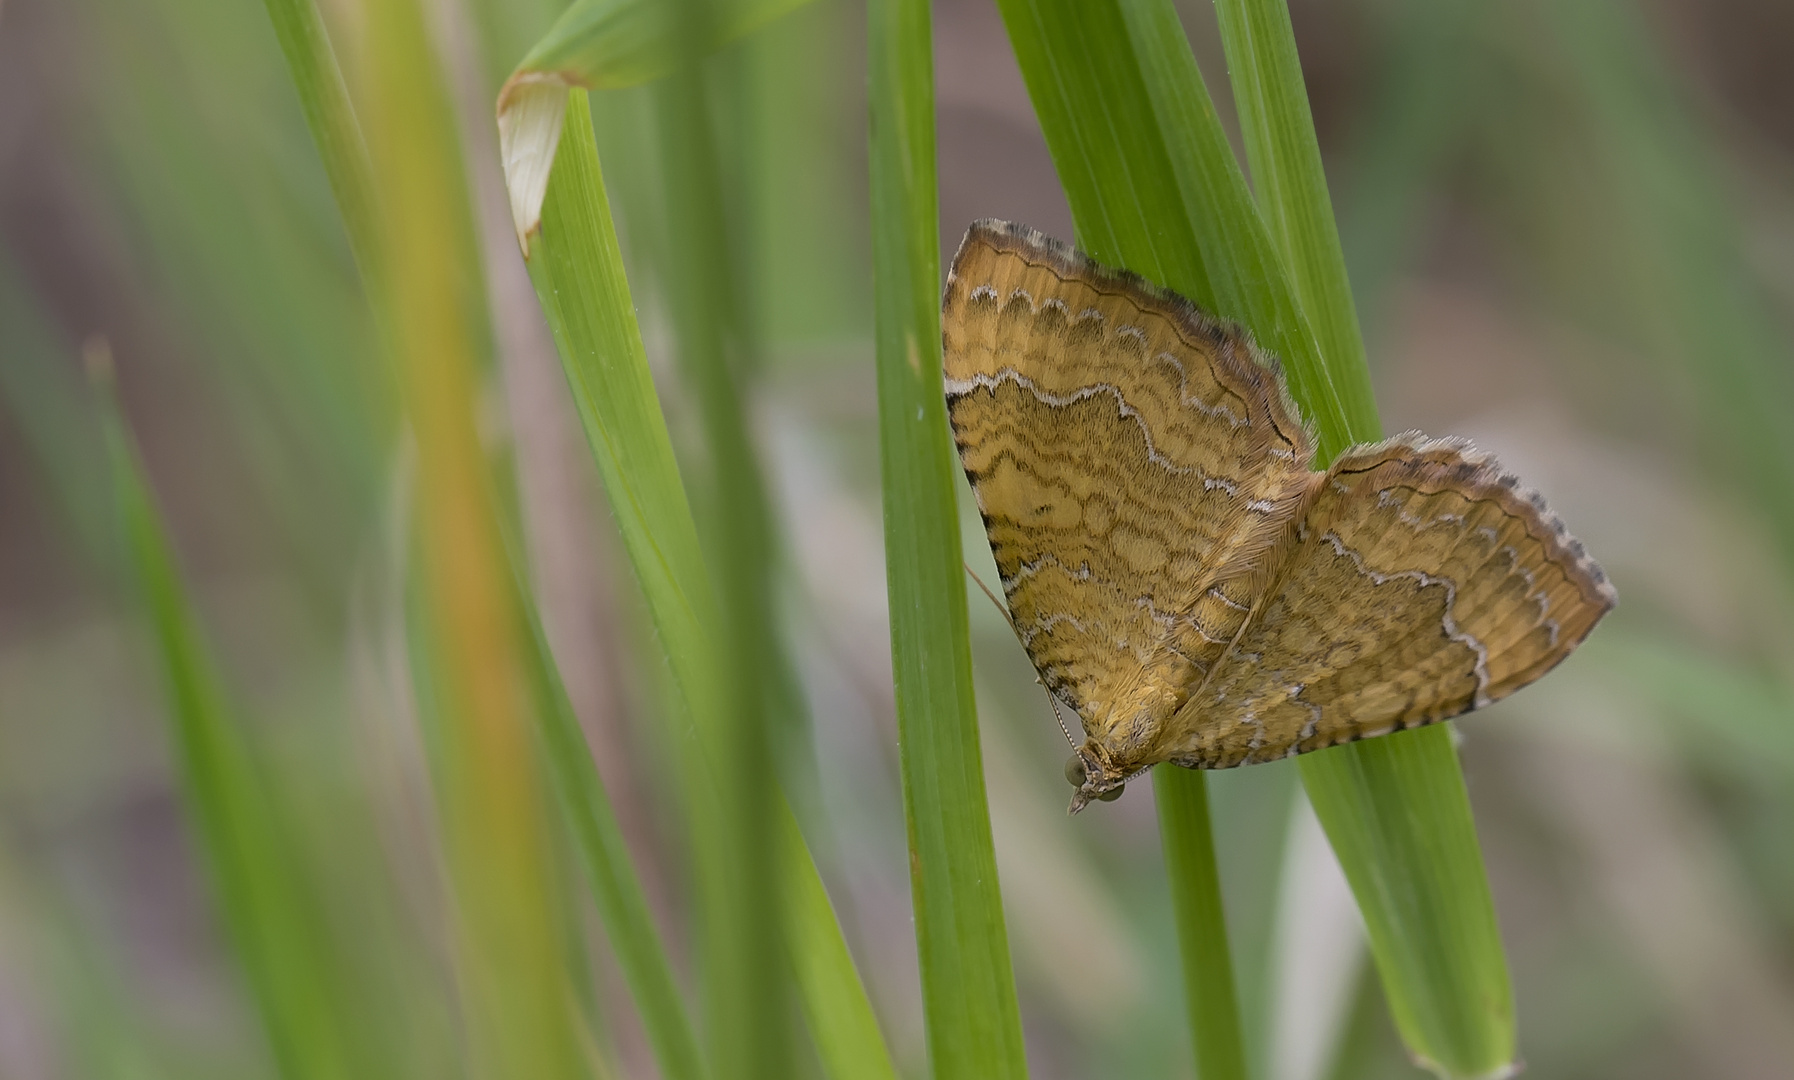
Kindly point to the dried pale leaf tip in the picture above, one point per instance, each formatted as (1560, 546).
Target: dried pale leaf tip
(530, 110)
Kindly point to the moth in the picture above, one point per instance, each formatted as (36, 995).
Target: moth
(1181, 573)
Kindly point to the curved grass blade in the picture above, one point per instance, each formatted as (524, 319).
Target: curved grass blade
(613, 44)
(1290, 184)
(1432, 927)
(968, 987)
(601, 45)
(1149, 176)
(616, 892)
(576, 266)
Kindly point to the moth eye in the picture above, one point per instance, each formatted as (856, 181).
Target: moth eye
(1112, 794)
(1074, 771)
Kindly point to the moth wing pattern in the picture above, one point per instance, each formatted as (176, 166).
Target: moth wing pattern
(1128, 455)
(1423, 582)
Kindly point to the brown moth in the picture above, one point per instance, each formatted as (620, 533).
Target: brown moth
(1177, 569)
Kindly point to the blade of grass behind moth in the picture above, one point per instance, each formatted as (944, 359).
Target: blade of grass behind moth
(1395, 811)
(268, 911)
(518, 1009)
(1088, 88)
(1416, 875)
(577, 269)
(968, 986)
(1291, 186)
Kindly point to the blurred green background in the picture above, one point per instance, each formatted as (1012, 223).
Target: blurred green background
(1571, 232)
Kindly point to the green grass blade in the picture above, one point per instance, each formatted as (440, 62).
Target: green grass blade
(1210, 997)
(577, 269)
(1151, 180)
(273, 924)
(835, 1006)
(1088, 85)
(324, 98)
(518, 1009)
(1398, 816)
(1121, 102)
(1419, 878)
(968, 987)
(1291, 184)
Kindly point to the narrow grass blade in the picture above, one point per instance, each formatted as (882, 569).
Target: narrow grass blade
(266, 905)
(577, 269)
(1210, 998)
(1290, 183)
(968, 987)
(1130, 126)
(1088, 84)
(324, 98)
(1433, 933)
(518, 1008)
(1151, 180)
(635, 941)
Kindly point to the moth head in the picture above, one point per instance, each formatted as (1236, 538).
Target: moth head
(1095, 775)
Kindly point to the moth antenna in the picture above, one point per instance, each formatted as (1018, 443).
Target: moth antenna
(1052, 698)
(1001, 610)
